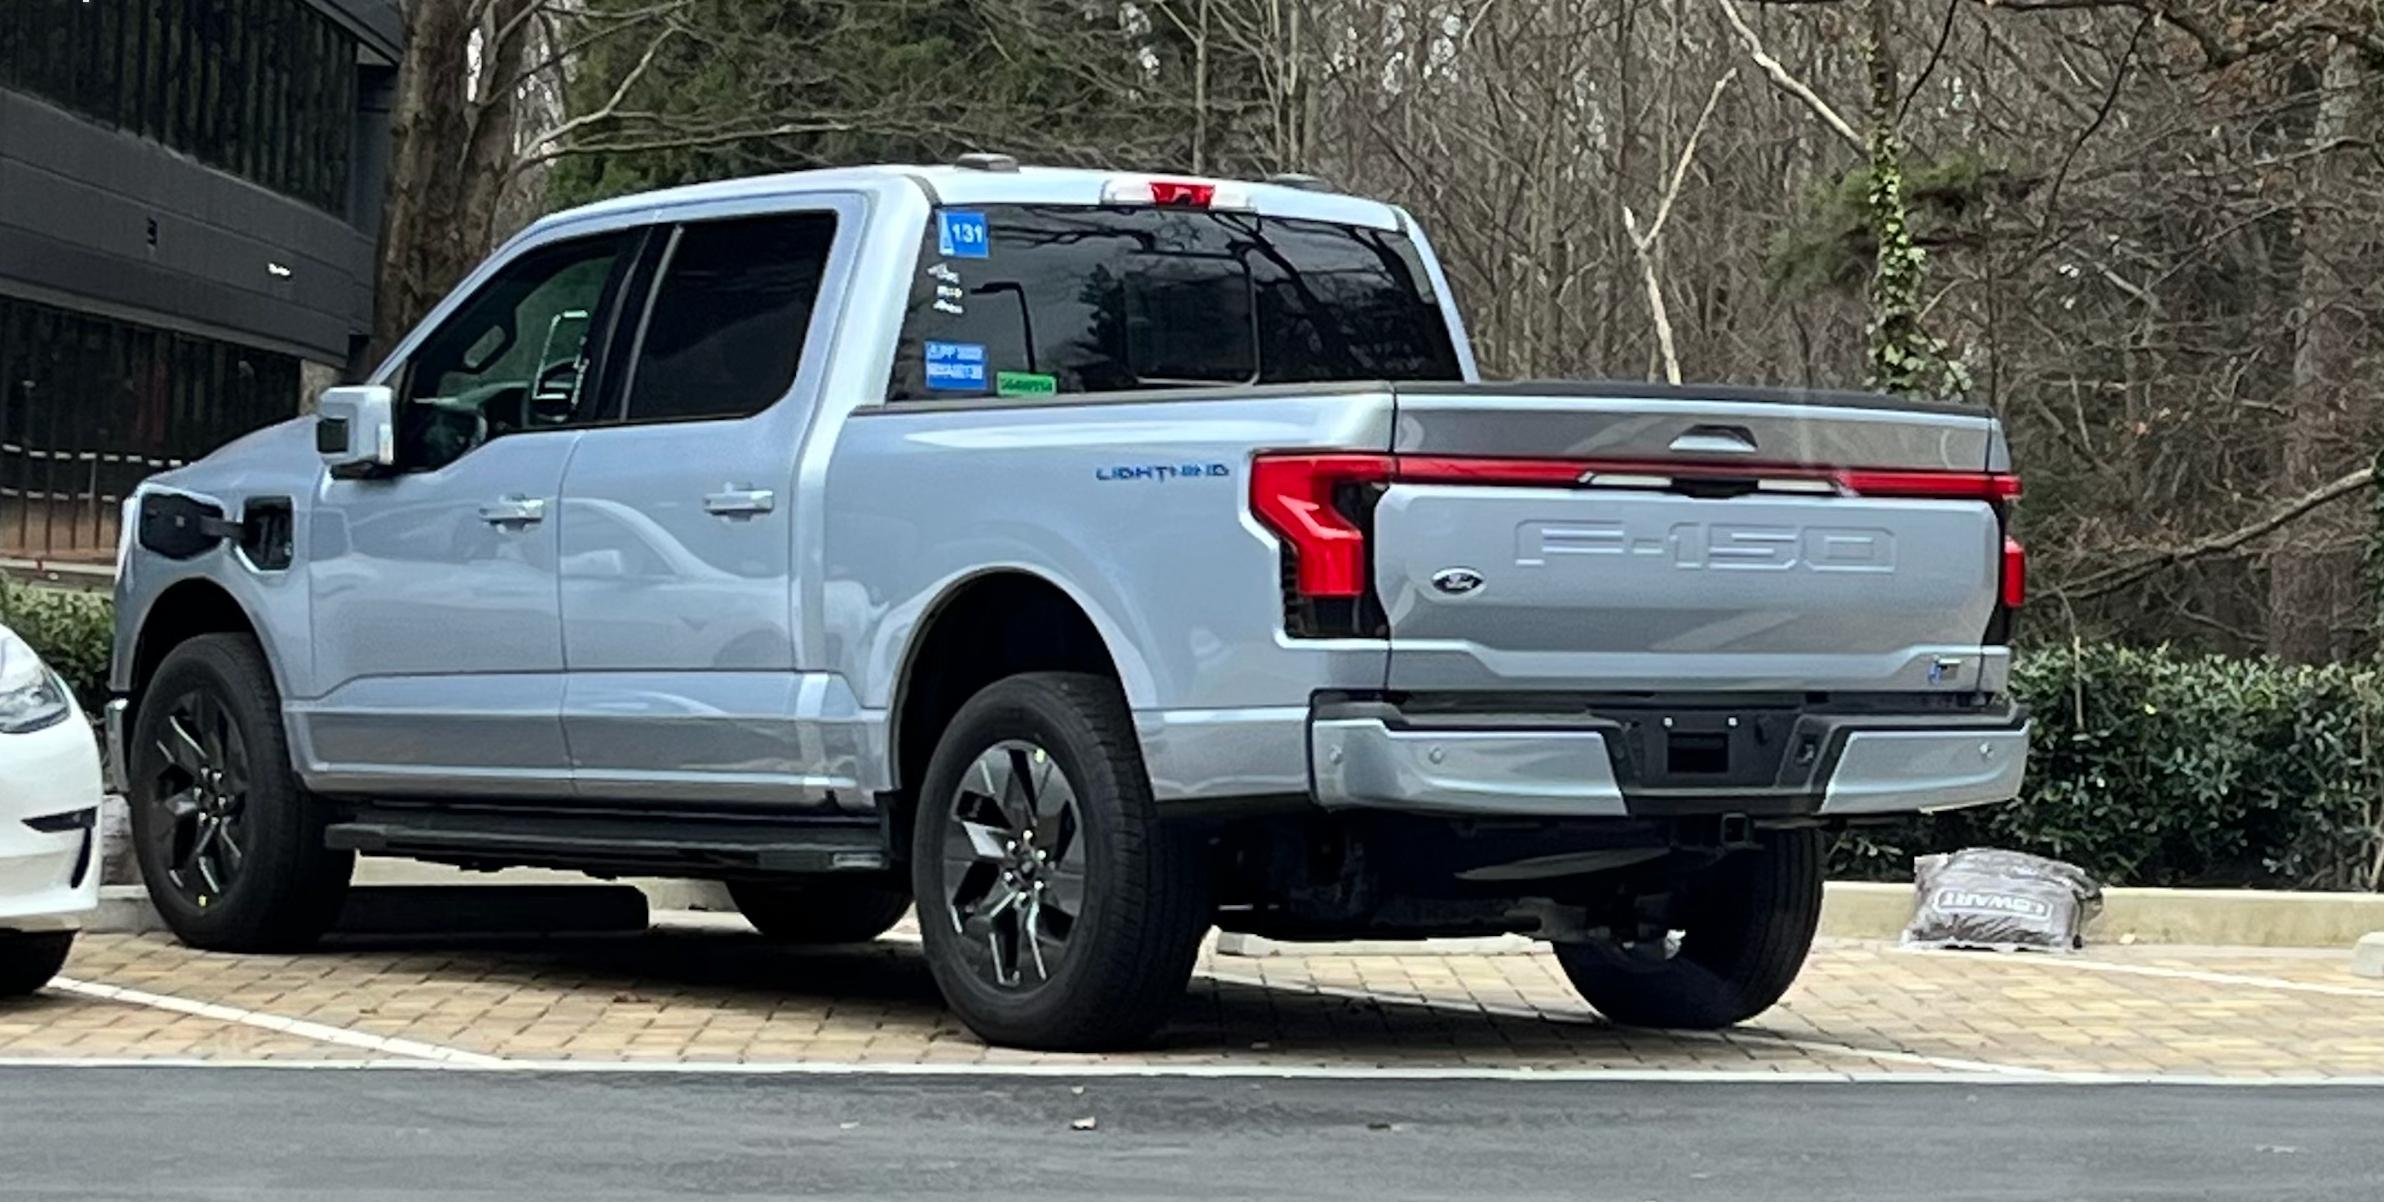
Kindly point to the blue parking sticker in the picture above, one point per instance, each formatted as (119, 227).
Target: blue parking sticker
(956, 366)
(961, 235)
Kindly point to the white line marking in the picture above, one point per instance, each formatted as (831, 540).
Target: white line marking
(321, 1032)
(1287, 1072)
(1953, 1064)
(2205, 976)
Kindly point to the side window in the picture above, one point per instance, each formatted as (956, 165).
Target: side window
(515, 356)
(723, 335)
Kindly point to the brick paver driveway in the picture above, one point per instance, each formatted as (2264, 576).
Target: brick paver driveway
(716, 996)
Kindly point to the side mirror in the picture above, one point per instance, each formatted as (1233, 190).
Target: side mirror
(356, 429)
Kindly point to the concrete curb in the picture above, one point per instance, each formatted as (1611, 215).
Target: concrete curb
(456, 908)
(2204, 917)
(125, 909)
(1879, 910)
(661, 893)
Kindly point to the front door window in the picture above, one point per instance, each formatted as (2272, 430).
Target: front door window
(515, 357)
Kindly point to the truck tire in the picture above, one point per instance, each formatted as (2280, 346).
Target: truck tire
(28, 959)
(1058, 911)
(1745, 926)
(229, 843)
(823, 911)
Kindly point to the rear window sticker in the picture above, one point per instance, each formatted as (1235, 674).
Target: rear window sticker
(961, 235)
(1025, 383)
(956, 366)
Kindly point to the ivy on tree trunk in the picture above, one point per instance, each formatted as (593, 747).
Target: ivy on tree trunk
(1903, 356)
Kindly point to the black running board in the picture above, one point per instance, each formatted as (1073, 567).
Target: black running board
(657, 844)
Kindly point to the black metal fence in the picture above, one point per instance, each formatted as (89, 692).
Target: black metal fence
(90, 406)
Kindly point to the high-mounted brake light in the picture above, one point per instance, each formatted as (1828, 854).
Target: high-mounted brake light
(1293, 496)
(1178, 193)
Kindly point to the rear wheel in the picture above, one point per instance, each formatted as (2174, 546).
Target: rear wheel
(1731, 942)
(28, 959)
(824, 911)
(230, 845)
(1057, 910)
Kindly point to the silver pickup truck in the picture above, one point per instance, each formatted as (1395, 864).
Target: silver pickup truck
(1089, 558)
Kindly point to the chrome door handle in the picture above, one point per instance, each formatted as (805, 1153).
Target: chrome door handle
(735, 501)
(514, 511)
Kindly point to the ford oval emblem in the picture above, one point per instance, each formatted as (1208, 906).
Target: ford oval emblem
(1456, 582)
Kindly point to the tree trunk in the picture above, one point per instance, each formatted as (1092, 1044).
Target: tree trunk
(2313, 581)
(451, 155)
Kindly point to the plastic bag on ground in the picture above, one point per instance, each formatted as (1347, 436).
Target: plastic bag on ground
(2000, 900)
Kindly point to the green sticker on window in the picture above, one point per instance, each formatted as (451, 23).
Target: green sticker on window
(1025, 383)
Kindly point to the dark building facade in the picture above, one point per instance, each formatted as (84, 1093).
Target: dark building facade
(189, 193)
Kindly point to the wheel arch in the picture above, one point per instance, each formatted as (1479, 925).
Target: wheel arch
(981, 628)
(184, 611)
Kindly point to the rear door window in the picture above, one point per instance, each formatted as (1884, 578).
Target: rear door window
(723, 335)
(1059, 299)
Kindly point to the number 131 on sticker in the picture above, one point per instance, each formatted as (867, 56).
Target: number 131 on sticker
(960, 235)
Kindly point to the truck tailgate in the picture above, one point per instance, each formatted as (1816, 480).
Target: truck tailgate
(1646, 539)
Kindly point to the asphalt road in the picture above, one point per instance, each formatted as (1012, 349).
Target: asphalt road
(338, 1135)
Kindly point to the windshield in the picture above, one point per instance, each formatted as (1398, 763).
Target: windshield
(1043, 299)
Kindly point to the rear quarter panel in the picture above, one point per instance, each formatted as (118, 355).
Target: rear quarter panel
(1183, 586)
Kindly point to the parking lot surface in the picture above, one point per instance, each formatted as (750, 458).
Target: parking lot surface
(713, 998)
(256, 1133)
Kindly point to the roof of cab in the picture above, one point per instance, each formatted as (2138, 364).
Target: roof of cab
(971, 185)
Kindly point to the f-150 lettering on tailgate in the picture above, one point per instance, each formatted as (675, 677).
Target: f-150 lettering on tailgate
(1716, 546)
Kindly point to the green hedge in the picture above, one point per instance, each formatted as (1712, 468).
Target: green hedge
(73, 631)
(2148, 767)
(2154, 768)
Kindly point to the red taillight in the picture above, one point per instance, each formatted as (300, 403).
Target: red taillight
(1293, 496)
(2015, 573)
(1182, 192)
(1942, 486)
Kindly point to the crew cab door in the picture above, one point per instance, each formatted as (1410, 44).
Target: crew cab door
(437, 635)
(680, 521)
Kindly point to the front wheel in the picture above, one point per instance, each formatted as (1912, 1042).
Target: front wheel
(1730, 944)
(28, 959)
(1058, 911)
(230, 844)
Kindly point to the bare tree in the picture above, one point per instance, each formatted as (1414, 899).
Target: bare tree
(1647, 244)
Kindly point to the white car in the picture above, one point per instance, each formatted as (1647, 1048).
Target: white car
(49, 818)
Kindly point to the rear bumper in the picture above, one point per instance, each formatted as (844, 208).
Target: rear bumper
(1762, 760)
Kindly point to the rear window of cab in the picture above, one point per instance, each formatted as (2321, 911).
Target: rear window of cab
(1037, 300)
